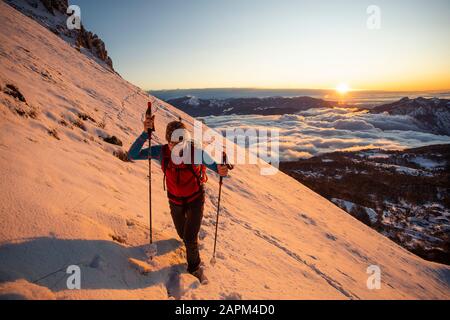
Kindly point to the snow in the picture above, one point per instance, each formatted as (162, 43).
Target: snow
(309, 174)
(193, 101)
(65, 201)
(404, 170)
(348, 207)
(427, 163)
(378, 156)
(21, 289)
(373, 216)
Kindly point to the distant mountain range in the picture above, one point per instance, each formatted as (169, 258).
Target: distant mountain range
(244, 106)
(431, 115)
(367, 98)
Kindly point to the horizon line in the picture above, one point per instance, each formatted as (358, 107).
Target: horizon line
(294, 89)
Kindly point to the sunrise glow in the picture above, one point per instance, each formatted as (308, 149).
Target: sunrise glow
(342, 88)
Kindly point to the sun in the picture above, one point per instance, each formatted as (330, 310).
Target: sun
(342, 88)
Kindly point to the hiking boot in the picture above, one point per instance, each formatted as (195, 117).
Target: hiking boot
(200, 275)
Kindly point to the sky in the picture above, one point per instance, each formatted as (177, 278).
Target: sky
(171, 44)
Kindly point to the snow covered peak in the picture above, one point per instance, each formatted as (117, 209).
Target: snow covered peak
(193, 101)
(432, 115)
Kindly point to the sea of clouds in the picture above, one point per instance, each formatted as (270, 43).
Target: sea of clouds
(317, 131)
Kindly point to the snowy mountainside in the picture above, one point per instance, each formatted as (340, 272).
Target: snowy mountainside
(68, 200)
(432, 115)
(52, 15)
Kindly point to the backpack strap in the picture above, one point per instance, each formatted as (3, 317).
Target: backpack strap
(199, 182)
(164, 163)
(201, 178)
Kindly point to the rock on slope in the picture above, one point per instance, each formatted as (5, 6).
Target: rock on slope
(66, 200)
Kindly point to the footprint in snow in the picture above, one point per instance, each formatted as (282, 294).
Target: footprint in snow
(307, 220)
(173, 285)
(202, 234)
(331, 237)
(220, 255)
(231, 296)
(98, 263)
(180, 283)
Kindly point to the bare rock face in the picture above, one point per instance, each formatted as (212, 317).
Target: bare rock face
(57, 24)
(58, 5)
(92, 42)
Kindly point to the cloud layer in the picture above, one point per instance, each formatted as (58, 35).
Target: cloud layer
(318, 131)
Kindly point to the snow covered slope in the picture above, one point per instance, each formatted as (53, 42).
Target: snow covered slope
(52, 14)
(67, 200)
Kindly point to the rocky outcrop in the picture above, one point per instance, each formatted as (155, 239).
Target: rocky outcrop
(92, 42)
(81, 39)
(55, 5)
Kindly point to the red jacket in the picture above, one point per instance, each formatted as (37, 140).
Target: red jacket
(184, 181)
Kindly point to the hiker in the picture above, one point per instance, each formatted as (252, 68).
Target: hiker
(184, 185)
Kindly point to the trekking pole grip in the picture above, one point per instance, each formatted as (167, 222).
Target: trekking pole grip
(149, 115)
(225, 161)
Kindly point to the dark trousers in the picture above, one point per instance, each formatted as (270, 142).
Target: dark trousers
(188, 219)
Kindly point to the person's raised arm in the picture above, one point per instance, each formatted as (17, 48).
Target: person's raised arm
(209, 162)
(136, 152)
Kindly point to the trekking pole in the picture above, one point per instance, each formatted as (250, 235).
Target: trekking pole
(224, 162)
(152, 249)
